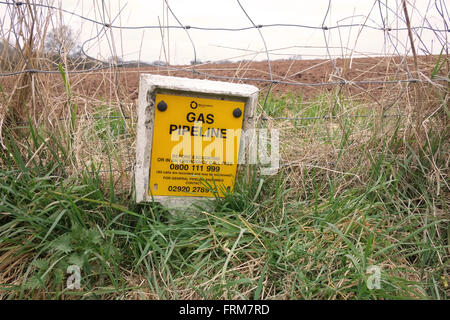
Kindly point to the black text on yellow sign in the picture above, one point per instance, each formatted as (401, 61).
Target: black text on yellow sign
(195, 145)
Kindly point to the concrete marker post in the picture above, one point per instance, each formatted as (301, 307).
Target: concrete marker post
(152, 85)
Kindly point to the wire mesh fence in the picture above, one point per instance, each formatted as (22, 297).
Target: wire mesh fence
(388, 20)
(17, 8)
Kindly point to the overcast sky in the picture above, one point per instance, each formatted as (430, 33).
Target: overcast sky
(216, 45)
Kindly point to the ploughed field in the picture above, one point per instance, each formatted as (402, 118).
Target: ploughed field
(303, 74)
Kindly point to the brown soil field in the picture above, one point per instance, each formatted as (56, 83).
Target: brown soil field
(295, 71)
(112, 85)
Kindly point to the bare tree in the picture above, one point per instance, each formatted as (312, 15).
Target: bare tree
(60, 41)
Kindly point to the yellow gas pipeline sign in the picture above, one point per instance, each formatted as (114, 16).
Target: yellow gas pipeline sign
(195, 145)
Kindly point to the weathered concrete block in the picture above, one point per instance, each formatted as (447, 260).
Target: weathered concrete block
(219, 96)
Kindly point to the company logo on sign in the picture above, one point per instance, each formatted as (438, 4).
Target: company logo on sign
(195, 105)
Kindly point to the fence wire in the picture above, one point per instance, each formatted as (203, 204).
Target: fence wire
(441, 35)
(107, 24)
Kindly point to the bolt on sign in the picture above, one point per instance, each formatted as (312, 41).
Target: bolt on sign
(188, 137)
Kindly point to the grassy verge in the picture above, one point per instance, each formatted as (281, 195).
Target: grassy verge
(322, 228)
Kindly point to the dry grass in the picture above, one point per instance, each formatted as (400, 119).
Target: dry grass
(355, 188)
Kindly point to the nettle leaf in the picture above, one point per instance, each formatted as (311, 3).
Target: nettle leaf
(77, 259)
(41, 264)
(94, 236)
(86, 237)
(35, 282)
(63, 244)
